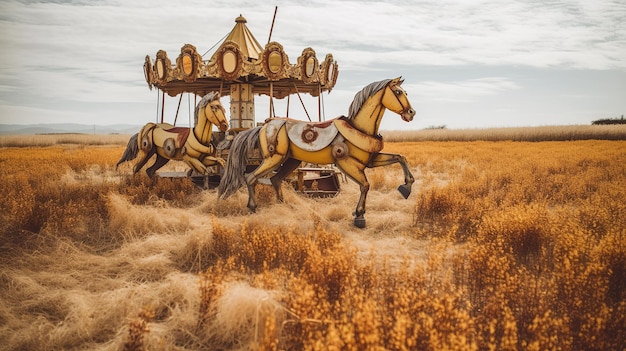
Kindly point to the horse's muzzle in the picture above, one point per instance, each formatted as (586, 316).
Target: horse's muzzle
(408, 114)
(224, 126)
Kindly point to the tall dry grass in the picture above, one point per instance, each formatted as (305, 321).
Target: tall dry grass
(536, 134)
(502, 245)
(42, 140)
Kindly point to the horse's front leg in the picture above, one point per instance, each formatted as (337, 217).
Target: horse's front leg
(195, 164)
(384, 159)
(213, 160)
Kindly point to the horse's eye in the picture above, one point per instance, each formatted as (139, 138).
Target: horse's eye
(398, 92)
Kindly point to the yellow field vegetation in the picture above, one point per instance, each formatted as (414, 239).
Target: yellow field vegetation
(501, 246)
(62, 139)
(541, 133)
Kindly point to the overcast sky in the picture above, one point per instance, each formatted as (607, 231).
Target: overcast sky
(466, 64)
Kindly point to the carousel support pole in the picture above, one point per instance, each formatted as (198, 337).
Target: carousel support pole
(162, 105)
(157, 107)
(288, 100)
(178, 108)
(271, 99)
(302, 102)
(319, 103)
(189, 111)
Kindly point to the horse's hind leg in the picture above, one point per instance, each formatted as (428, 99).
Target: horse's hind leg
(355, 170)
(143, 161)
(383, 159)
(269, 164)
(287, 167)
(160, 162)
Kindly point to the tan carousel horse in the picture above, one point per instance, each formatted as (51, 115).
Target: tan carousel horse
(352, 143)
(192, 146)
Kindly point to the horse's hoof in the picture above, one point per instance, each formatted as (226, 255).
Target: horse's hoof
(405, 190)
(359, 222)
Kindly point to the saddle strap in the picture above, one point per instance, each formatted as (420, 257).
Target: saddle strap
(359, 139)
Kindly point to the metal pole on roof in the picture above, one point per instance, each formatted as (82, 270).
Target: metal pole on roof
(272, 28)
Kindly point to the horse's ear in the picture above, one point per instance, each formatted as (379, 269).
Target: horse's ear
(398, 80)
(212, 96)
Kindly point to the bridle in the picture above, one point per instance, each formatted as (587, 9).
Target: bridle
(397, 91)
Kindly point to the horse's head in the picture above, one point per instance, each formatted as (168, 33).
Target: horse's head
(213, 110)
(395, 99)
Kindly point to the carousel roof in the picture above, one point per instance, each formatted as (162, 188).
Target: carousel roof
(241, 59)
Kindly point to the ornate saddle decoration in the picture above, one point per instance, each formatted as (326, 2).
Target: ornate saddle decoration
(311, 136)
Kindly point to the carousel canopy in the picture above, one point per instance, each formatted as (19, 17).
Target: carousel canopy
(241, 59)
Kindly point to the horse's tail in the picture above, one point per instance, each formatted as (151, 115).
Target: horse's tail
(233, 177)
(132, 149)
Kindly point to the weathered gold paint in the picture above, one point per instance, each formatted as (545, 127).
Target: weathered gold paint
(323, 156)
(187, 64)
(361, 140)
(199, 153)
(230, 61)
(276, 61)
(360, 135)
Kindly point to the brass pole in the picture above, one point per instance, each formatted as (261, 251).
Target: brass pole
(178, 108)
(271, 99)
(302, 102)
(319, 103)
(162, 106)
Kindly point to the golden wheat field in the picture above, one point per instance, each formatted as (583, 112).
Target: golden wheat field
(501, 246)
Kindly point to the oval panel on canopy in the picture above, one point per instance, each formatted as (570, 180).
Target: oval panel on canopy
(241, 59)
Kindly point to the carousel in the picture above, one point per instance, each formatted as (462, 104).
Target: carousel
(240, 68)
(245, 151)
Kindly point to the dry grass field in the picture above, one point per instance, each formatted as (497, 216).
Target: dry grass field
(501, 246)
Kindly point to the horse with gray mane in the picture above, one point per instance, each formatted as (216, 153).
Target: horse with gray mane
(351, 143)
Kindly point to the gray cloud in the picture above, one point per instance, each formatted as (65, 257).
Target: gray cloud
(92, 51)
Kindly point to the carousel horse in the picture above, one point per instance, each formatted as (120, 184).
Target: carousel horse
(352, 143)
(192, 146)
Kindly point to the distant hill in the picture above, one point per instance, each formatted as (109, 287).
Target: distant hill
(57, 128)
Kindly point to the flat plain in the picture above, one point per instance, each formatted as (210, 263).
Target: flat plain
(503, 245)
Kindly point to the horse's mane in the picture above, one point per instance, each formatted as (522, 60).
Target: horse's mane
(206, 99)
(364, 94)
